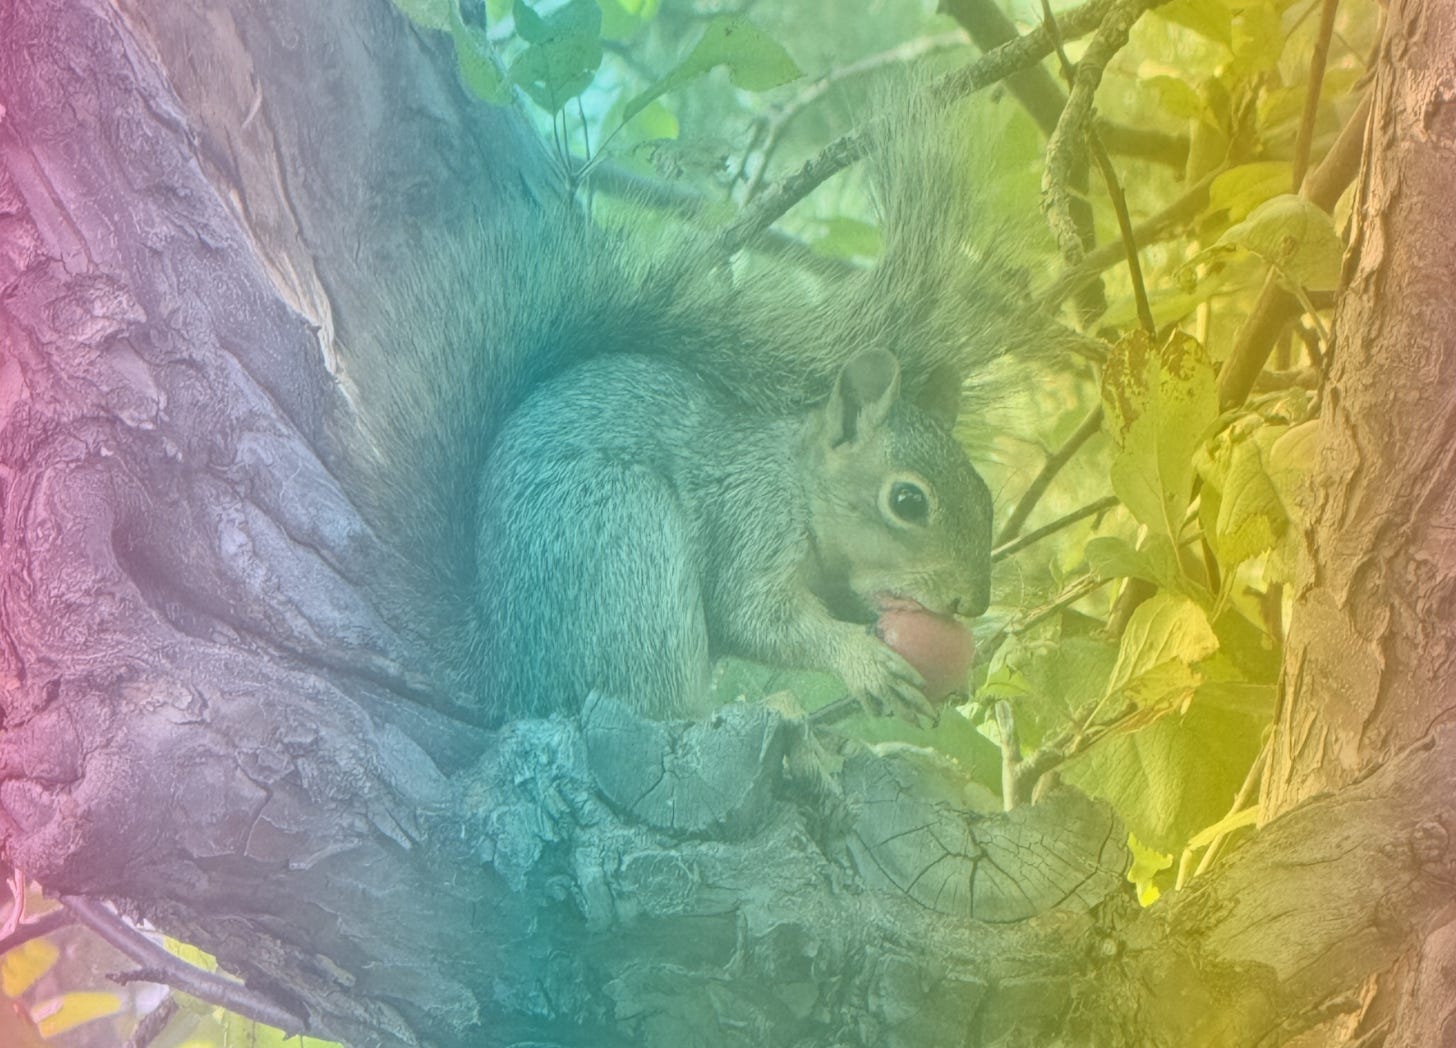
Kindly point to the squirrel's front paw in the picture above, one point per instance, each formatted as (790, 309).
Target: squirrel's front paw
(882, 681)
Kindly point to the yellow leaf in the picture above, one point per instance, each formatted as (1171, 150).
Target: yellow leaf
(25, 964)
(1147, 863)
(72, 1009)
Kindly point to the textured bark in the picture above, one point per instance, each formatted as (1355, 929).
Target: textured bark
(1372, 647)
(212, 717)
(1368, 690)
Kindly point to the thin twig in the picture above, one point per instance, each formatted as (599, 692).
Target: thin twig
(1114, 191)
(1088, 427)
(1091, 509)
(1065, 144)
(1068, 743)
(1276, 307)
(1251, 783)
(1148, 231)
(1317, 65)
(1124, 226)
(171, 970)
(899, 55)
(689, 204)
(1083, 587)
(35, 928)
(1010, 754)
(854, 145)
(152, 1024)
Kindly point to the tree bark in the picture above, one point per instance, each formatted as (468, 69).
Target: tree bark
(213, 716)
(1368, 678)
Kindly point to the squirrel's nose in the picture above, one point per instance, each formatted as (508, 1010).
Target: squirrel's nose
(971, 607)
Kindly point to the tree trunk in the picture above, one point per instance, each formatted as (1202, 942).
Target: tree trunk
(213, 718)
(1368, 682)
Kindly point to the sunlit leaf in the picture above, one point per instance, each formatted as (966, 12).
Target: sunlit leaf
(1114, 558)
(1046, 682)
(1212, 20)
(1160, 402)
(565, 51)
(755, 61)
(1175, 95)
(1258, 39)
(1175, 776)
(22, 966)
(1296, 237)
(1241, 189)
(1165, 637)
(1147, 863)
(1251, 517)
(75, 1008)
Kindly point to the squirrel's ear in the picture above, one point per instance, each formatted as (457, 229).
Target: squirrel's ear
(864, 392)
(940, 396)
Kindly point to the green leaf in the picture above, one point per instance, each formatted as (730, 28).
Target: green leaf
(1114, 558)
(1174, 777)
(1258, 39)
(1046, 682)
(565, 51)
(1241, 189)
(1175, 95)
(1292, 459)
(623, 19)
(1235, 696)
(1160, 402)
(22, 966)
(1291, 462)
(1251, 517)
(1164, 639)
(1252, 654)
(755, 61)
(656, 123)
(1212, 20)
(74, 1009)
(1295, 236)
(578, 18)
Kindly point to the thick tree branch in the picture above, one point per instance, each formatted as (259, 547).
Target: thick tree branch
(1067, 143)
(1275, 307)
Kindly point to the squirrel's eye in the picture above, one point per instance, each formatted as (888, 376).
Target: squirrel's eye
(909, 503)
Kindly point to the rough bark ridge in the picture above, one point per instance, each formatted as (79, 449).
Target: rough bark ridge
(1373, 623)
(1369, 669)
(210, 718)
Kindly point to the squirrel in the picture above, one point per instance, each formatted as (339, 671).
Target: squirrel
(629, 457)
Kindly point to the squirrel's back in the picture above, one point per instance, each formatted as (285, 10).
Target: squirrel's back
(604, 435)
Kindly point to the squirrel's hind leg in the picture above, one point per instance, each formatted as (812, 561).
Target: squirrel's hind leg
(590, 584)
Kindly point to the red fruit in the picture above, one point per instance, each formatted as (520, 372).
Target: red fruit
(936, 645)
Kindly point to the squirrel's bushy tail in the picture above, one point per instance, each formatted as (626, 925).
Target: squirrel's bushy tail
(492, 312)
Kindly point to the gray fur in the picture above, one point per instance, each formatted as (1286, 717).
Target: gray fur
(613, 458)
